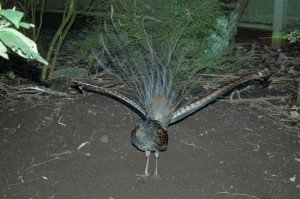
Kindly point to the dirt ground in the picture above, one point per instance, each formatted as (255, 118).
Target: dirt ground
(80, 147)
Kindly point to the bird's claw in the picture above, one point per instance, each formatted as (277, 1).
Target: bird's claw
(147, 175)
(156, 176)
(144, 176)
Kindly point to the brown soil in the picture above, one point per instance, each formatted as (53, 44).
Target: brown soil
(80, 148)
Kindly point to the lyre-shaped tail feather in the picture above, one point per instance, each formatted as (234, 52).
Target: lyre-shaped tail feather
(191, 108)
(112, 93)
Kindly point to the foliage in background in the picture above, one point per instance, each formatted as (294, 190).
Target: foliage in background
(295, 111)
(69, 17)
(69, 73)
(10, 37)
(201, 29)
(293, 36)
(30, 7)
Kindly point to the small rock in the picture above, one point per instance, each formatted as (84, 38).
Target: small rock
(293, 179)
(104, 139)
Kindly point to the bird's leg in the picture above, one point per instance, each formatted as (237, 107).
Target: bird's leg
(146, 174)
(156, 176)
(147, 163)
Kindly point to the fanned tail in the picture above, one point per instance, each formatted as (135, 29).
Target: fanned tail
(149, 77)
(153, 79)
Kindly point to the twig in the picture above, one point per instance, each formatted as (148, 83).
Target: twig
(271, 78)
(63, 153)
(280, 111)
(266, 101)
(38, 164)
(86, 142)
(35, 88)
(193, 145)
(236, 194)
(275, 180)
(61, 122)
(261, 99)
(44, 90)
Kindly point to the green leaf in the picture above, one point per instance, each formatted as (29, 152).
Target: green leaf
(3, 51)
(26, 25)
(295, 108)
(3, 22)
(295, 114)
(13, 16)
(20, 44)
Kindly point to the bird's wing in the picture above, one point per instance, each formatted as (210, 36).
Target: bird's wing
(200, 103)
(109, 92)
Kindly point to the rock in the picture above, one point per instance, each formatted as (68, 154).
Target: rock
(104, 139)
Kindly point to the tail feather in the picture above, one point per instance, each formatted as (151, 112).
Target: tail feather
(160, 108)
(112, 93)
(200, 103)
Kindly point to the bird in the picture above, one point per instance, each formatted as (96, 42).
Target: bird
(153, 89)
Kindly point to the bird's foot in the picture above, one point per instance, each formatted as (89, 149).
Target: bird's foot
(144, 176)
(156, 177)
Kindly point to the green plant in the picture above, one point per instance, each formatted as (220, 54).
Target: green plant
(29, 7)
(292, 37)
(10, 37)
(200, 29)
(69, 16)
(295, 111)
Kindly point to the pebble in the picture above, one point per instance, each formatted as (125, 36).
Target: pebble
(104, 139)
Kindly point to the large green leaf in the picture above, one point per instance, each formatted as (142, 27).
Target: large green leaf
(3, 51)
(13, 16)
(20, 44)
